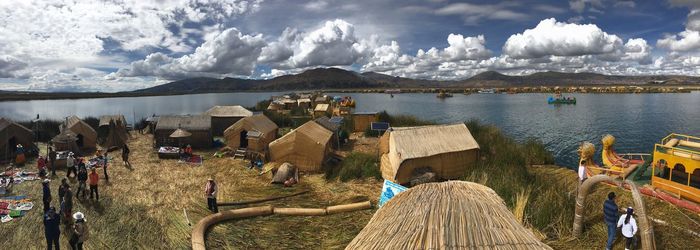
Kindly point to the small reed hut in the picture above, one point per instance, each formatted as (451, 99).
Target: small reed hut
(13, 134)
(253, 133)
(321, 110)
(446, 215)
(448, 150)
(112, 131)
(85, 134)
(362, 120)
(223, 117)
(306, 147)
(66, 141)
(198, 125)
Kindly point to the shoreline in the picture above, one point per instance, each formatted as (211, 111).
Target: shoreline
(596, 89)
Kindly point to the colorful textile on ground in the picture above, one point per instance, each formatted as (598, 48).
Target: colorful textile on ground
(194, 159)
(14, 206)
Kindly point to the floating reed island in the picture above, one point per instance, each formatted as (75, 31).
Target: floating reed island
(645, 89)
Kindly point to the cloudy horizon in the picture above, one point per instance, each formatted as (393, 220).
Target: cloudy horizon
(92, 45)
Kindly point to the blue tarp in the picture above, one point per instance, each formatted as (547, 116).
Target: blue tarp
(389, 190)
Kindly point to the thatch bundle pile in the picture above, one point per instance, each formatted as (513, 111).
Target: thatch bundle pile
(608, 141)
(445, 215)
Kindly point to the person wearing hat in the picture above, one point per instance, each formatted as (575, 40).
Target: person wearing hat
(629, 227)
(46, 194)
(80, 231)
(52, 229)
(610, 216)
(210, 191)
(188, 150)
(20, 159)
(93, 179)
(70, 164)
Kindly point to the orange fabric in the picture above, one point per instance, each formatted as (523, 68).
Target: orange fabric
(93, 178)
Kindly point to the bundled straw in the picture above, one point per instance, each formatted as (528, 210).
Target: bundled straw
(447, 215)
(608, 141)
(586, 151)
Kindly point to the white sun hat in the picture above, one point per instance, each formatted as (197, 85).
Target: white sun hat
(79, 216)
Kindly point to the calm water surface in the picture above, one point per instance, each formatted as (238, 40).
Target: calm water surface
(636, 120)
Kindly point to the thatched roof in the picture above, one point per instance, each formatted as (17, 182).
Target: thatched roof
(8, 129)
(447, 215)
(105, 119)
(424, 141)
(306, 147)
(228, 111)
(326, 123)
(66, 137)
(196, 122)
(312, 130)
(78, 126)
(180, 133)
(258, 123)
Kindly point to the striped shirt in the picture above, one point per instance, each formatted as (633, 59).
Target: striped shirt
(610, 211)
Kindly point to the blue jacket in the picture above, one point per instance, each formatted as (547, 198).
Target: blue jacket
(52, 224)
(46, 193)
(610, 212)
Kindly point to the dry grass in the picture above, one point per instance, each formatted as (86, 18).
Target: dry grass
(142, 207)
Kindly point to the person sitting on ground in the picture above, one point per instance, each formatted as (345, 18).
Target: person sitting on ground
(93, 179)
(52, 229)
(629, 227)
(610, 217)
(188, 150)
(46, 194)
(80, 231)
(210, 192)
(82, 179)
(41, 165)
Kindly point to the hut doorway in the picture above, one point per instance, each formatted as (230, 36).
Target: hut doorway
(12, 145)
(80, 141)
(244, 139)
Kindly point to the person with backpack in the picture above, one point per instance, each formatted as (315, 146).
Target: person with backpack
(610, 216)
(629, 227)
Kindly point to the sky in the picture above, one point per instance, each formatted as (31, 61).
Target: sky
(120, 45)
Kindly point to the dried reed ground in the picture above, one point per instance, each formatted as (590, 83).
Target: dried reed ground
(142, 207)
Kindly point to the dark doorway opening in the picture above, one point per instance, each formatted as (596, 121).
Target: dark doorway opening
(12, 145)
(244, 139)
(80, 141)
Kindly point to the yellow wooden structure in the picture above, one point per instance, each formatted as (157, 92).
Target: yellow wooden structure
(677, 166)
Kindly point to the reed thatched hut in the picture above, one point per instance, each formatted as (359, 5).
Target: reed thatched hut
(321, 110)
(447, 150)
(447, 215)
(13, 134)
(198, 125)
(306, 147)
(86, 136)
(66, 141)
(223, 117)
(112, 131)
(254, 133)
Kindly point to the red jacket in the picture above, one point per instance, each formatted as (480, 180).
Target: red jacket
(93, 178)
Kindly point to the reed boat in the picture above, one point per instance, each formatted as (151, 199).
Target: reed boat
(670, 173)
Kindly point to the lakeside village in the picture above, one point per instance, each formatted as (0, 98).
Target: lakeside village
(201, 181)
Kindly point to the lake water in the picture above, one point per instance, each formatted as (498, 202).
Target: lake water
(637, 120)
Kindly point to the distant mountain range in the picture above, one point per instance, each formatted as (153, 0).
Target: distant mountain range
(335, 79)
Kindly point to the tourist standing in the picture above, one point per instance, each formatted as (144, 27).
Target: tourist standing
(52, 229)
(80, 231)
(210, 191)
(46, 194)
(67, 204)
(93, 178)
(629, 227)
(62, 189)
(582, 172)
(610, 216)
(82, 179)
(125, 155)
(104, 166)
(70, 163)
(52, 161)
(41, 166)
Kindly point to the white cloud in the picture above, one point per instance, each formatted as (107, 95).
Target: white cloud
(228, 53)
(473, 13)
(637, 50)
(579, 6)
(550, 37)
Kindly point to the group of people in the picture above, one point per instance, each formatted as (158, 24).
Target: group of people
(626, 223)
(52, 217)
